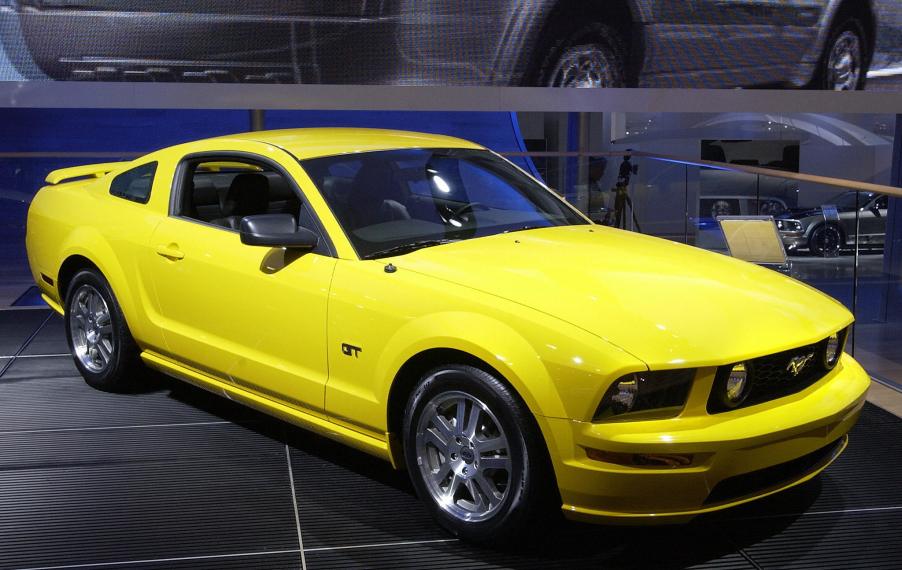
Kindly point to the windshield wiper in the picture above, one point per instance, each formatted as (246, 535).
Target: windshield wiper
(408, 247)
(524, 228)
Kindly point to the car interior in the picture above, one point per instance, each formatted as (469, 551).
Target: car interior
(382, 197)
(221, 193)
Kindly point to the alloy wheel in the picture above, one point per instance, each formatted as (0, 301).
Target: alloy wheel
(585, 66)
(844, 65)
(463, 456)
(827, 241)
(91, 329)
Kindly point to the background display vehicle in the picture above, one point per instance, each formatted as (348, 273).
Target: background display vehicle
(859, 213)
(824, 44)
(422, 299)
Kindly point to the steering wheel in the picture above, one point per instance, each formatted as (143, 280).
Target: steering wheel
(468, 208)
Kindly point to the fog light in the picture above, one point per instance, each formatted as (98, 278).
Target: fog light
(736, 388)
(623, 399)
(665, 460)
(831, 355)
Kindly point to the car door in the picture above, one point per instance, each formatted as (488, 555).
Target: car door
(254, 316)
(720, 43)
(873, 220)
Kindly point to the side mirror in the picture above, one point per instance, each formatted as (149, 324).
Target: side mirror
(276, 230)
(875, 210)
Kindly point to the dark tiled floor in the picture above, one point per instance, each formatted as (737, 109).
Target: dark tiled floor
(175, 478)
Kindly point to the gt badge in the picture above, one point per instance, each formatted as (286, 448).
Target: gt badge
(798, 363)
(350, 350)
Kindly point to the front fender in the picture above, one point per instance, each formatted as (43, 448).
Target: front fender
(482, 337)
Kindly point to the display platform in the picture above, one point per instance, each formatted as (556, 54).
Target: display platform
(175, 478)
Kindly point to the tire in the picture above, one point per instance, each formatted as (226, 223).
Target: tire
(847, 37)
(518, 476)
(592, 55)
(104, 351)
(826, 240)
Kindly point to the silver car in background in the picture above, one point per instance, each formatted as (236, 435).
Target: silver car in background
(824, 233)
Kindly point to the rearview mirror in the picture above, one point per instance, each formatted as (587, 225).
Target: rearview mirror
(276, 230)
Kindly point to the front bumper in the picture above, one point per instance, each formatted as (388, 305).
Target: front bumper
(737, 456)
(794, 241)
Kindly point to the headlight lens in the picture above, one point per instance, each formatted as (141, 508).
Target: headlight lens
(651, 394)
(736, 388)
(834, 348)
(789, 225)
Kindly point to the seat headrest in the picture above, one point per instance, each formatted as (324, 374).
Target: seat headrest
(248, 194)
(278, 187)
(204, 192)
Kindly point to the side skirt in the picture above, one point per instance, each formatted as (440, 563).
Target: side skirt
(309, 421)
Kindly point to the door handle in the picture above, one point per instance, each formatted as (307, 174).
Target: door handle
(170, 251)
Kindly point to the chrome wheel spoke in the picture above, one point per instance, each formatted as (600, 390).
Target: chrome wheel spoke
(436, 440)
(478, 500)
(105, 352)
(494, 444)
(459, 417)
(473, 423)
(499, 463)
(452, 488)
(443, 426)
(487, 489)
(441, 473)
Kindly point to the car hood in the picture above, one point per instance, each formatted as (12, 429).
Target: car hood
(666, 303)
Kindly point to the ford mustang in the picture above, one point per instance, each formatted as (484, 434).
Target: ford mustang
(422, 299)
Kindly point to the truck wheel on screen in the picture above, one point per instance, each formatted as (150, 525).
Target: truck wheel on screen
(844, 63)
(102, 346)
(475, 455)
(588, 56)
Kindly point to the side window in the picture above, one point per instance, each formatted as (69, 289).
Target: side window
(222, 191)
(135, 184)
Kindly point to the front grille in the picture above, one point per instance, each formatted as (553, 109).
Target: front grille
(775, 375)
(770, 477)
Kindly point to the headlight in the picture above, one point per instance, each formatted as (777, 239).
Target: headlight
(789, 225)
(646, 394)
(736, 386)
(834, 347)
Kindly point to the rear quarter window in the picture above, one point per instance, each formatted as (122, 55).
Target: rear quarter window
(135, 184)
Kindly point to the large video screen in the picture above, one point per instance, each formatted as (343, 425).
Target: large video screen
(820, 44)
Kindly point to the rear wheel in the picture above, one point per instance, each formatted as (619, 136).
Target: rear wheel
(101, 344)
(475, 456)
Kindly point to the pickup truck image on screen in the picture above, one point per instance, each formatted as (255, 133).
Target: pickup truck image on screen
(821, 44)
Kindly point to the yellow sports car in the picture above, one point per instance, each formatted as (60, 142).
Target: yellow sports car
(422, 299)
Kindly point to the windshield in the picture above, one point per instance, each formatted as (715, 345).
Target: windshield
(395, 201)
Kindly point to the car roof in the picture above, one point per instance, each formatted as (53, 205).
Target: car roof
(317, 142)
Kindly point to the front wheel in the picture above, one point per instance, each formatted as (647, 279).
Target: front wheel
(102, 346)
(843, 65)
(475, 455)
